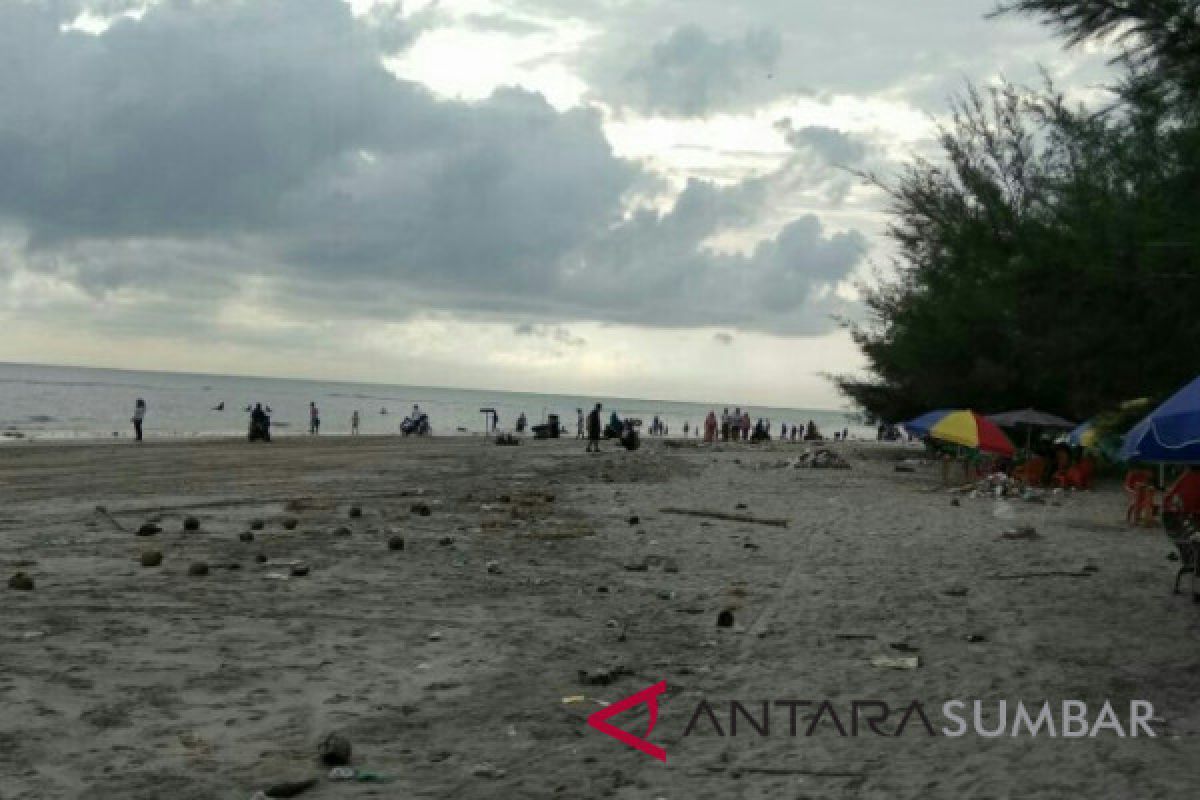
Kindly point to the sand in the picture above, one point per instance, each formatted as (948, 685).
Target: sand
(446, 663)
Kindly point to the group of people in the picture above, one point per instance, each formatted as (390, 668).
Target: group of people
(737, 426)
(260, 420)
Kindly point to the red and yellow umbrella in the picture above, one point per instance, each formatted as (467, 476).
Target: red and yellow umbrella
(965, 428)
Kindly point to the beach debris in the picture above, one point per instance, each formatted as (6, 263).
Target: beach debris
(290, 788)
(725, 619)
(602, 676)
(21, 582)
(1172, 556)
(488, 771)
(670, 565)
(1027, 532)
(956, 591)
(149, 529)
(191, 524)
(300, 571)
(257, 524)
(634, 520)
(342, 532)
(638, 566)
(955, 502)
(152, 558)
(436, 636)
(290, 523)
(750, 546)
(1051, 574)
(261, 558)
(854, 636)
(246, 536)
(421, 509)
(741, 506)
(903, 647)
(975, 638)
(574, 700)
(820, 459)
(199, 569)
(396, 543)
(446, 541)
(896, 662)
(335, 750)
(684, 512)
(905, 468)
(493, 567)
(277, 576)
(344, 774)
(507, 440)
(355, 512)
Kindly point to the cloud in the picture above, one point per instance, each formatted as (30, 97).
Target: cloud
(206, 150)
(690, 73)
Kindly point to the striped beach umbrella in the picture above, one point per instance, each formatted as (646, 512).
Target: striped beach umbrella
(962, 427)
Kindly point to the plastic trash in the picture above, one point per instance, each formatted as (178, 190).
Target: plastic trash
(891, 662)
(347, 774)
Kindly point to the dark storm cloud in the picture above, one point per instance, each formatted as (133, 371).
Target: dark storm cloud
(211, 142)
(691, 73)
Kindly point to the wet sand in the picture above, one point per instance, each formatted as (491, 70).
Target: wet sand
(120, 681)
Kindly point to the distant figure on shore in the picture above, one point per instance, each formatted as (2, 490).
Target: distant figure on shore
(783, 432)
(593, 429)
(811, 434)
(219, 406)
(845, 434)
(686, 427)
(579, 423)
(354, 423)
(795, 431)
(139, 414)
(725, 425)
(314, 419)
(710, 427)
(746, 427)
(495, 420)
(260, 424)
(383, 411)
(522, 421)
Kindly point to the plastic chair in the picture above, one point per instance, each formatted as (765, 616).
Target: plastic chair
(1143, 497)
(1181, 520)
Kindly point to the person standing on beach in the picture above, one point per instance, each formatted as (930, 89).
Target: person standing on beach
(314, 419)
(139, 414)
(354, 423)
(746, 426)
(579, 423)
(710, 427)
(593, 430)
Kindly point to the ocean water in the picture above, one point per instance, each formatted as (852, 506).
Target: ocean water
(40, 402)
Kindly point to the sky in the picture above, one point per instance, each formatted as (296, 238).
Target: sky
(652, 198)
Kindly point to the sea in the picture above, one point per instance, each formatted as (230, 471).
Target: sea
(52, 402)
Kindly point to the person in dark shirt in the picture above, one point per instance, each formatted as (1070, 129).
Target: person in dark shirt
(593, 430)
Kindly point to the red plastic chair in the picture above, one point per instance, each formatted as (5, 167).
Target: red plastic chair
(1143, 497)
(1184, 495)
(1081, 475)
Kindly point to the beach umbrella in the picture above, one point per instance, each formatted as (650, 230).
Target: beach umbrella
(1029, 419)
(964, 428)
(1085, 435)
(1170, 434)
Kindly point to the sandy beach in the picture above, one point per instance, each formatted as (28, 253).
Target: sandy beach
(447, 663)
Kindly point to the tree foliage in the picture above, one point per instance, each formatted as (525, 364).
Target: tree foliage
(1051, 256)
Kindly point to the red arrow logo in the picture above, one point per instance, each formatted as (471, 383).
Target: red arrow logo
(649, 696)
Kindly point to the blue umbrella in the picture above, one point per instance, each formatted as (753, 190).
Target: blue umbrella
(1171, 434)
(921, 425)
